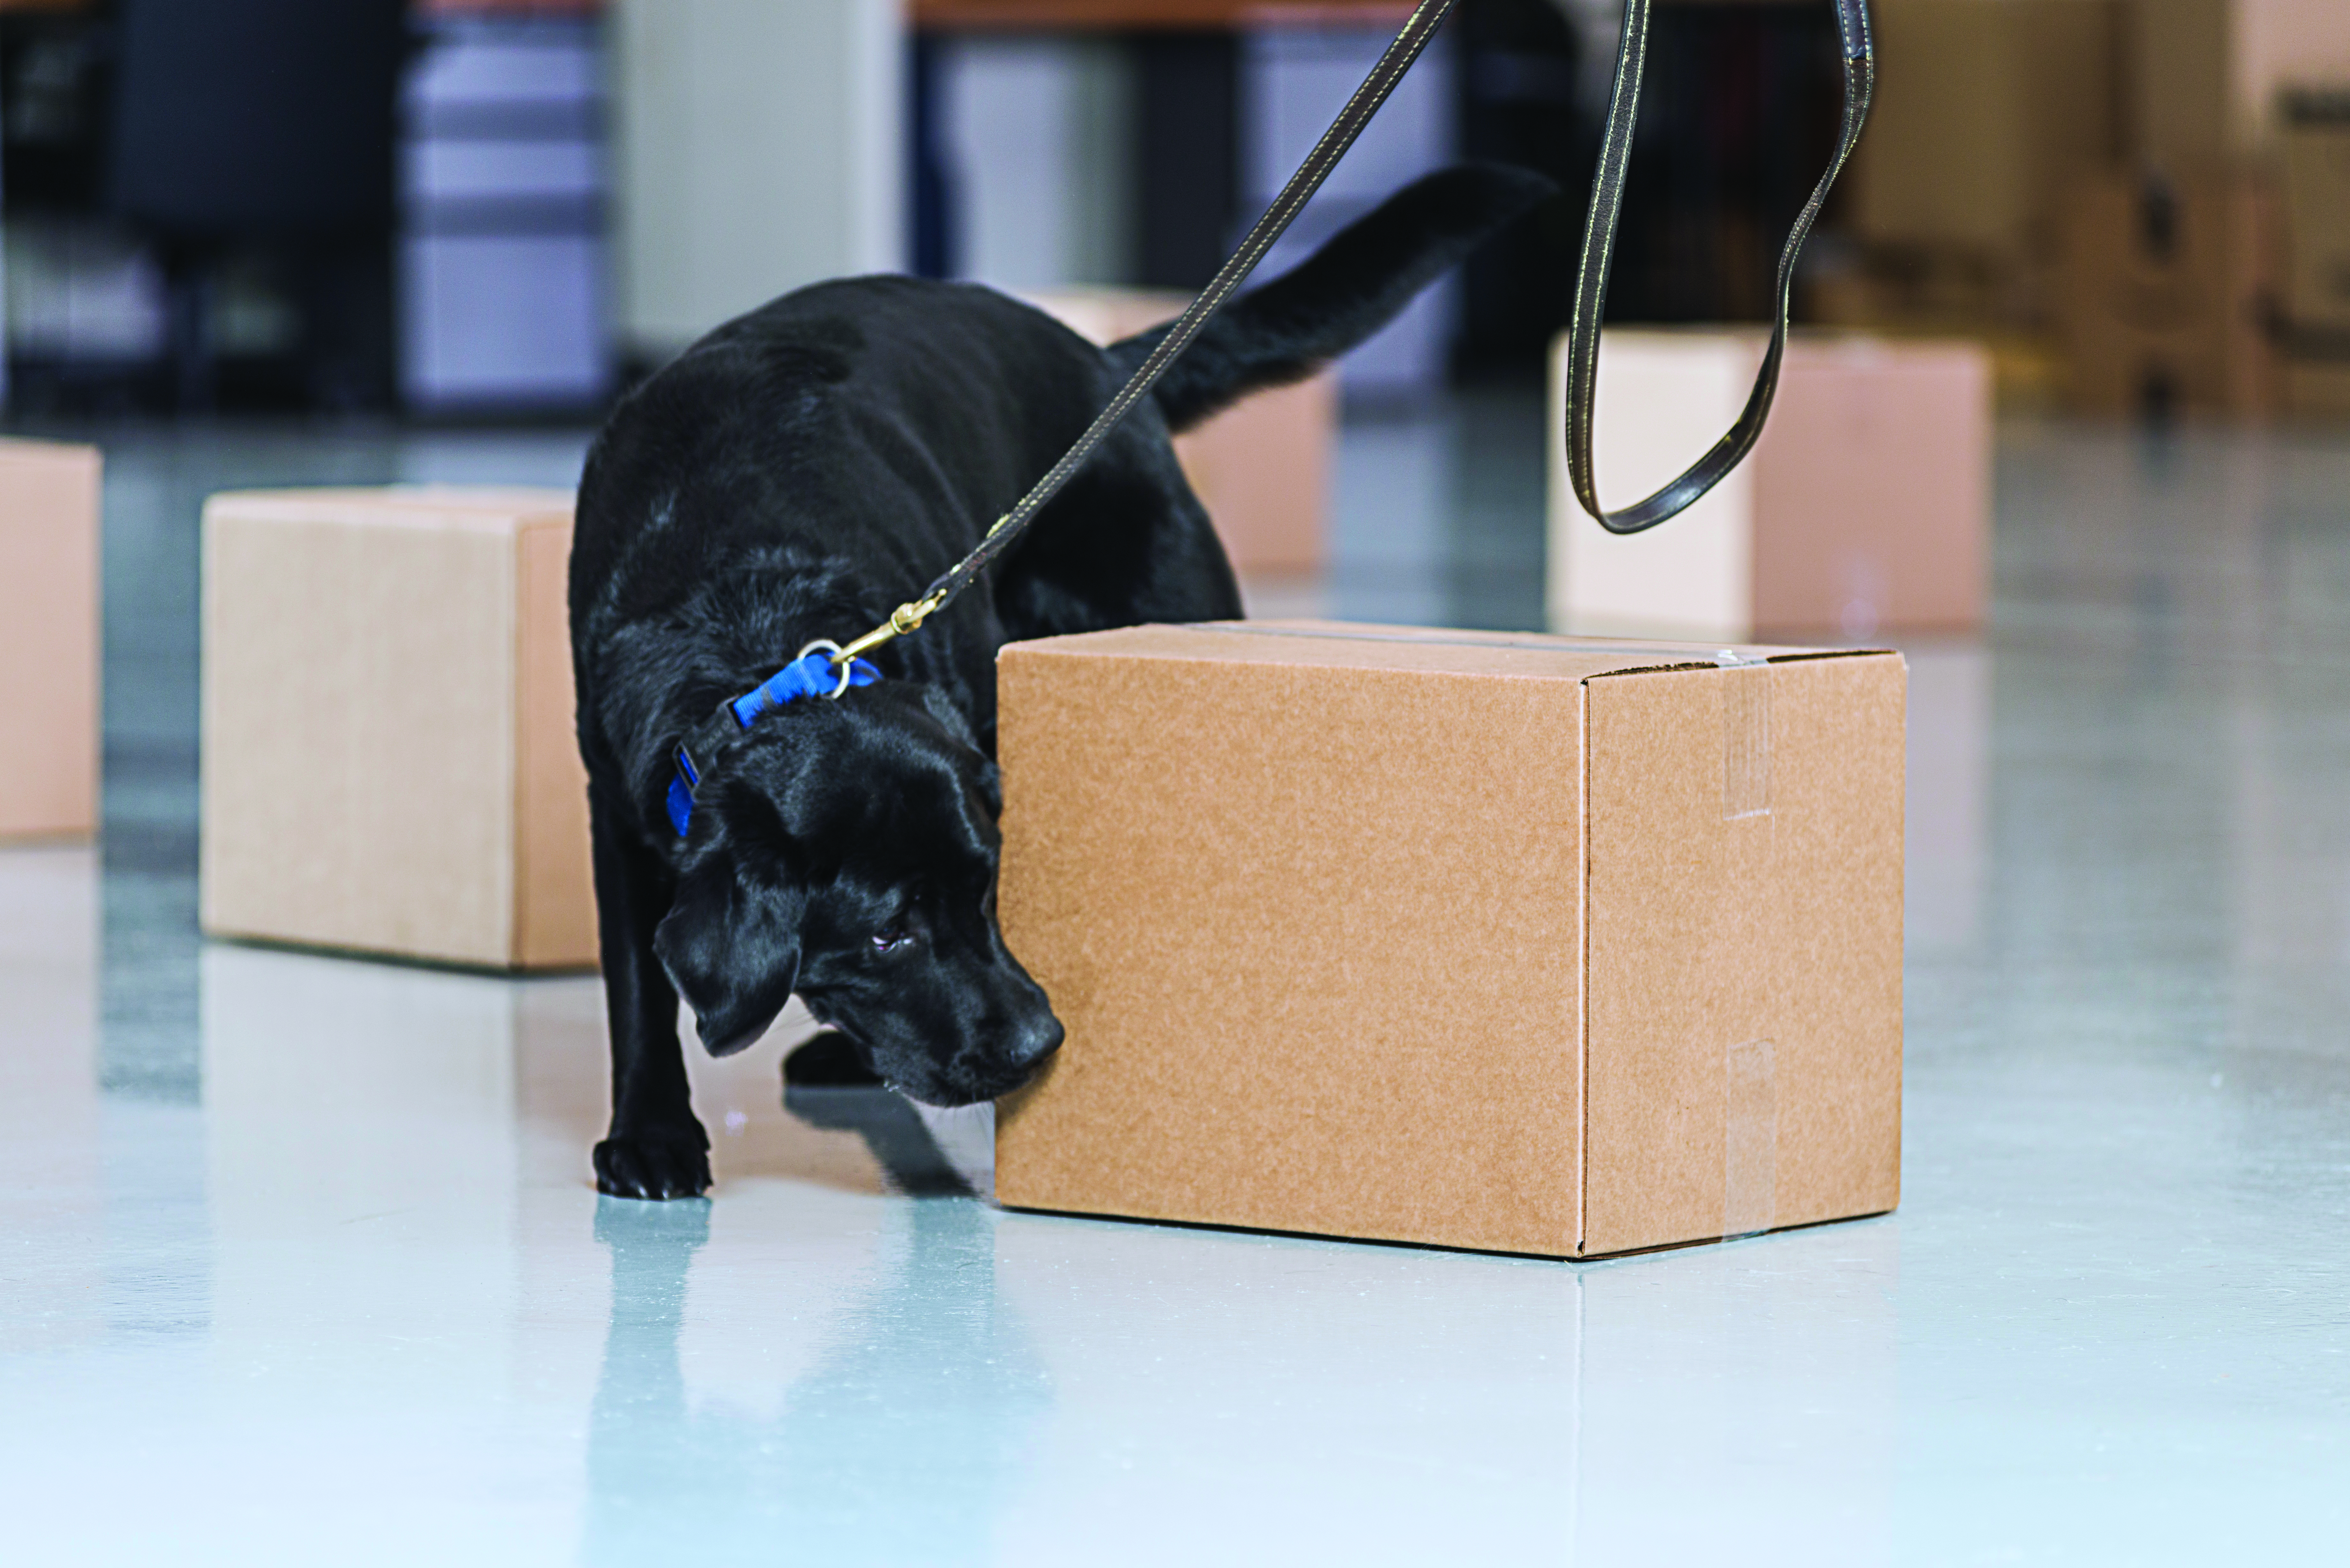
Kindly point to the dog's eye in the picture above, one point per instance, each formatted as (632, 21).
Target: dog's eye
(890, 938)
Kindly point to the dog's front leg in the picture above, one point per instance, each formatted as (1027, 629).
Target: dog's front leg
(656, 1148)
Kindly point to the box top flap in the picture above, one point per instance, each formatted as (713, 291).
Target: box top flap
(1810, 347)
(463, 508)
(14, 448)
(1434, 650)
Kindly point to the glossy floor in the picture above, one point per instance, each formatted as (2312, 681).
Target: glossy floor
(301, 1263)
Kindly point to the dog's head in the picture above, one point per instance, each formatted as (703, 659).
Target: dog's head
(847, 851)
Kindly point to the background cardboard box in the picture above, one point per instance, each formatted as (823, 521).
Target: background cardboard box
(1990, 114)
(1986, 111)
(1865, 505)
(2316, 147)
(1262, 468)
(2314, 156)
(2166, 289)
(388, 759)
(2204, 75)
(49, 638)
(2318, 390)
(1475, 940)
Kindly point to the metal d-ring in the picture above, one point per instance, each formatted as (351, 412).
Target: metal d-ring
(845, 666)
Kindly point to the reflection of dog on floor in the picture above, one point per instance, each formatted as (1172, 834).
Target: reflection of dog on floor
(922, 1389)
(794, 477)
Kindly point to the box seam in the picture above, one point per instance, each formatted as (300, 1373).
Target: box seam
(1583, 981)
(1535, 643)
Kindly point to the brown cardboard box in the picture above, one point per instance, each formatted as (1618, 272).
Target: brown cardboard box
(2165, 295)
(1865, 506)
(1262, 468)
(2314, 295)
(49, 640)
(1476, 940)
(2318, 390)
(388, 763)
(2316, 162)
(1985, 112)
(2205, 74)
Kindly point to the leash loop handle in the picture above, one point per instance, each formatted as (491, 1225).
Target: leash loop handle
(1598, 251)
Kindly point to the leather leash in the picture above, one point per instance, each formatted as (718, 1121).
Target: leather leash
(1583, 326)
(1599, 246)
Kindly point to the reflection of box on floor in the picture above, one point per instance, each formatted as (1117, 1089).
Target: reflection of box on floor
(49, 638)
(1262, 468)
(388, 763)
(1864, 508)
(1508, 942)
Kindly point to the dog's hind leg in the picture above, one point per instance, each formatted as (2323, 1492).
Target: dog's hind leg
(657, 1147)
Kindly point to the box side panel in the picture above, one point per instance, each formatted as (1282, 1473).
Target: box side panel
(2180, 324)
(1663, 399)
(1836, 780)
(358, 770)
(1872, 489)
(1262, 468)
(1982, 115)
(554, 893)
(49, 638)
(1744, 1019)
(2315, 160)
(1103, 316)
(1674, 980)
(1313, 934)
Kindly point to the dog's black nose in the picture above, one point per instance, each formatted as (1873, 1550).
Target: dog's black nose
(1032, 1043)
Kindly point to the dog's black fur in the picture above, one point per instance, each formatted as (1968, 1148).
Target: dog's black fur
(797, 474)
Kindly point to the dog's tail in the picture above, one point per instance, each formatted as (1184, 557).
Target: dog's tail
(1287, 329)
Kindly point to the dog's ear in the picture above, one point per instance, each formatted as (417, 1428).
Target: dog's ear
(733, 952)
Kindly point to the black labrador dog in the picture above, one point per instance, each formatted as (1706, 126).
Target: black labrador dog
(795, 476)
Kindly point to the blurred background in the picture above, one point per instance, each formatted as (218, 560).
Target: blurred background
(501, 209)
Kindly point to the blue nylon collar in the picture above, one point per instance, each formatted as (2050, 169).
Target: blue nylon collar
(814, 676)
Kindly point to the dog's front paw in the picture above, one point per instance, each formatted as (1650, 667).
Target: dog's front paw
(653, 1168)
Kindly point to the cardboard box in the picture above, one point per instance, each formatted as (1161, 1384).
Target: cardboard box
(2317, 390)
(2316, 165)
(2205, 74)
(1985, 112)
(2165, 295)
(1262, 468)
(1864, 508)
(388, 758)
(1495, 941)
(49, 640)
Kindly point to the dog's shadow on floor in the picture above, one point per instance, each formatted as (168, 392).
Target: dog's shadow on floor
(826, 1088)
